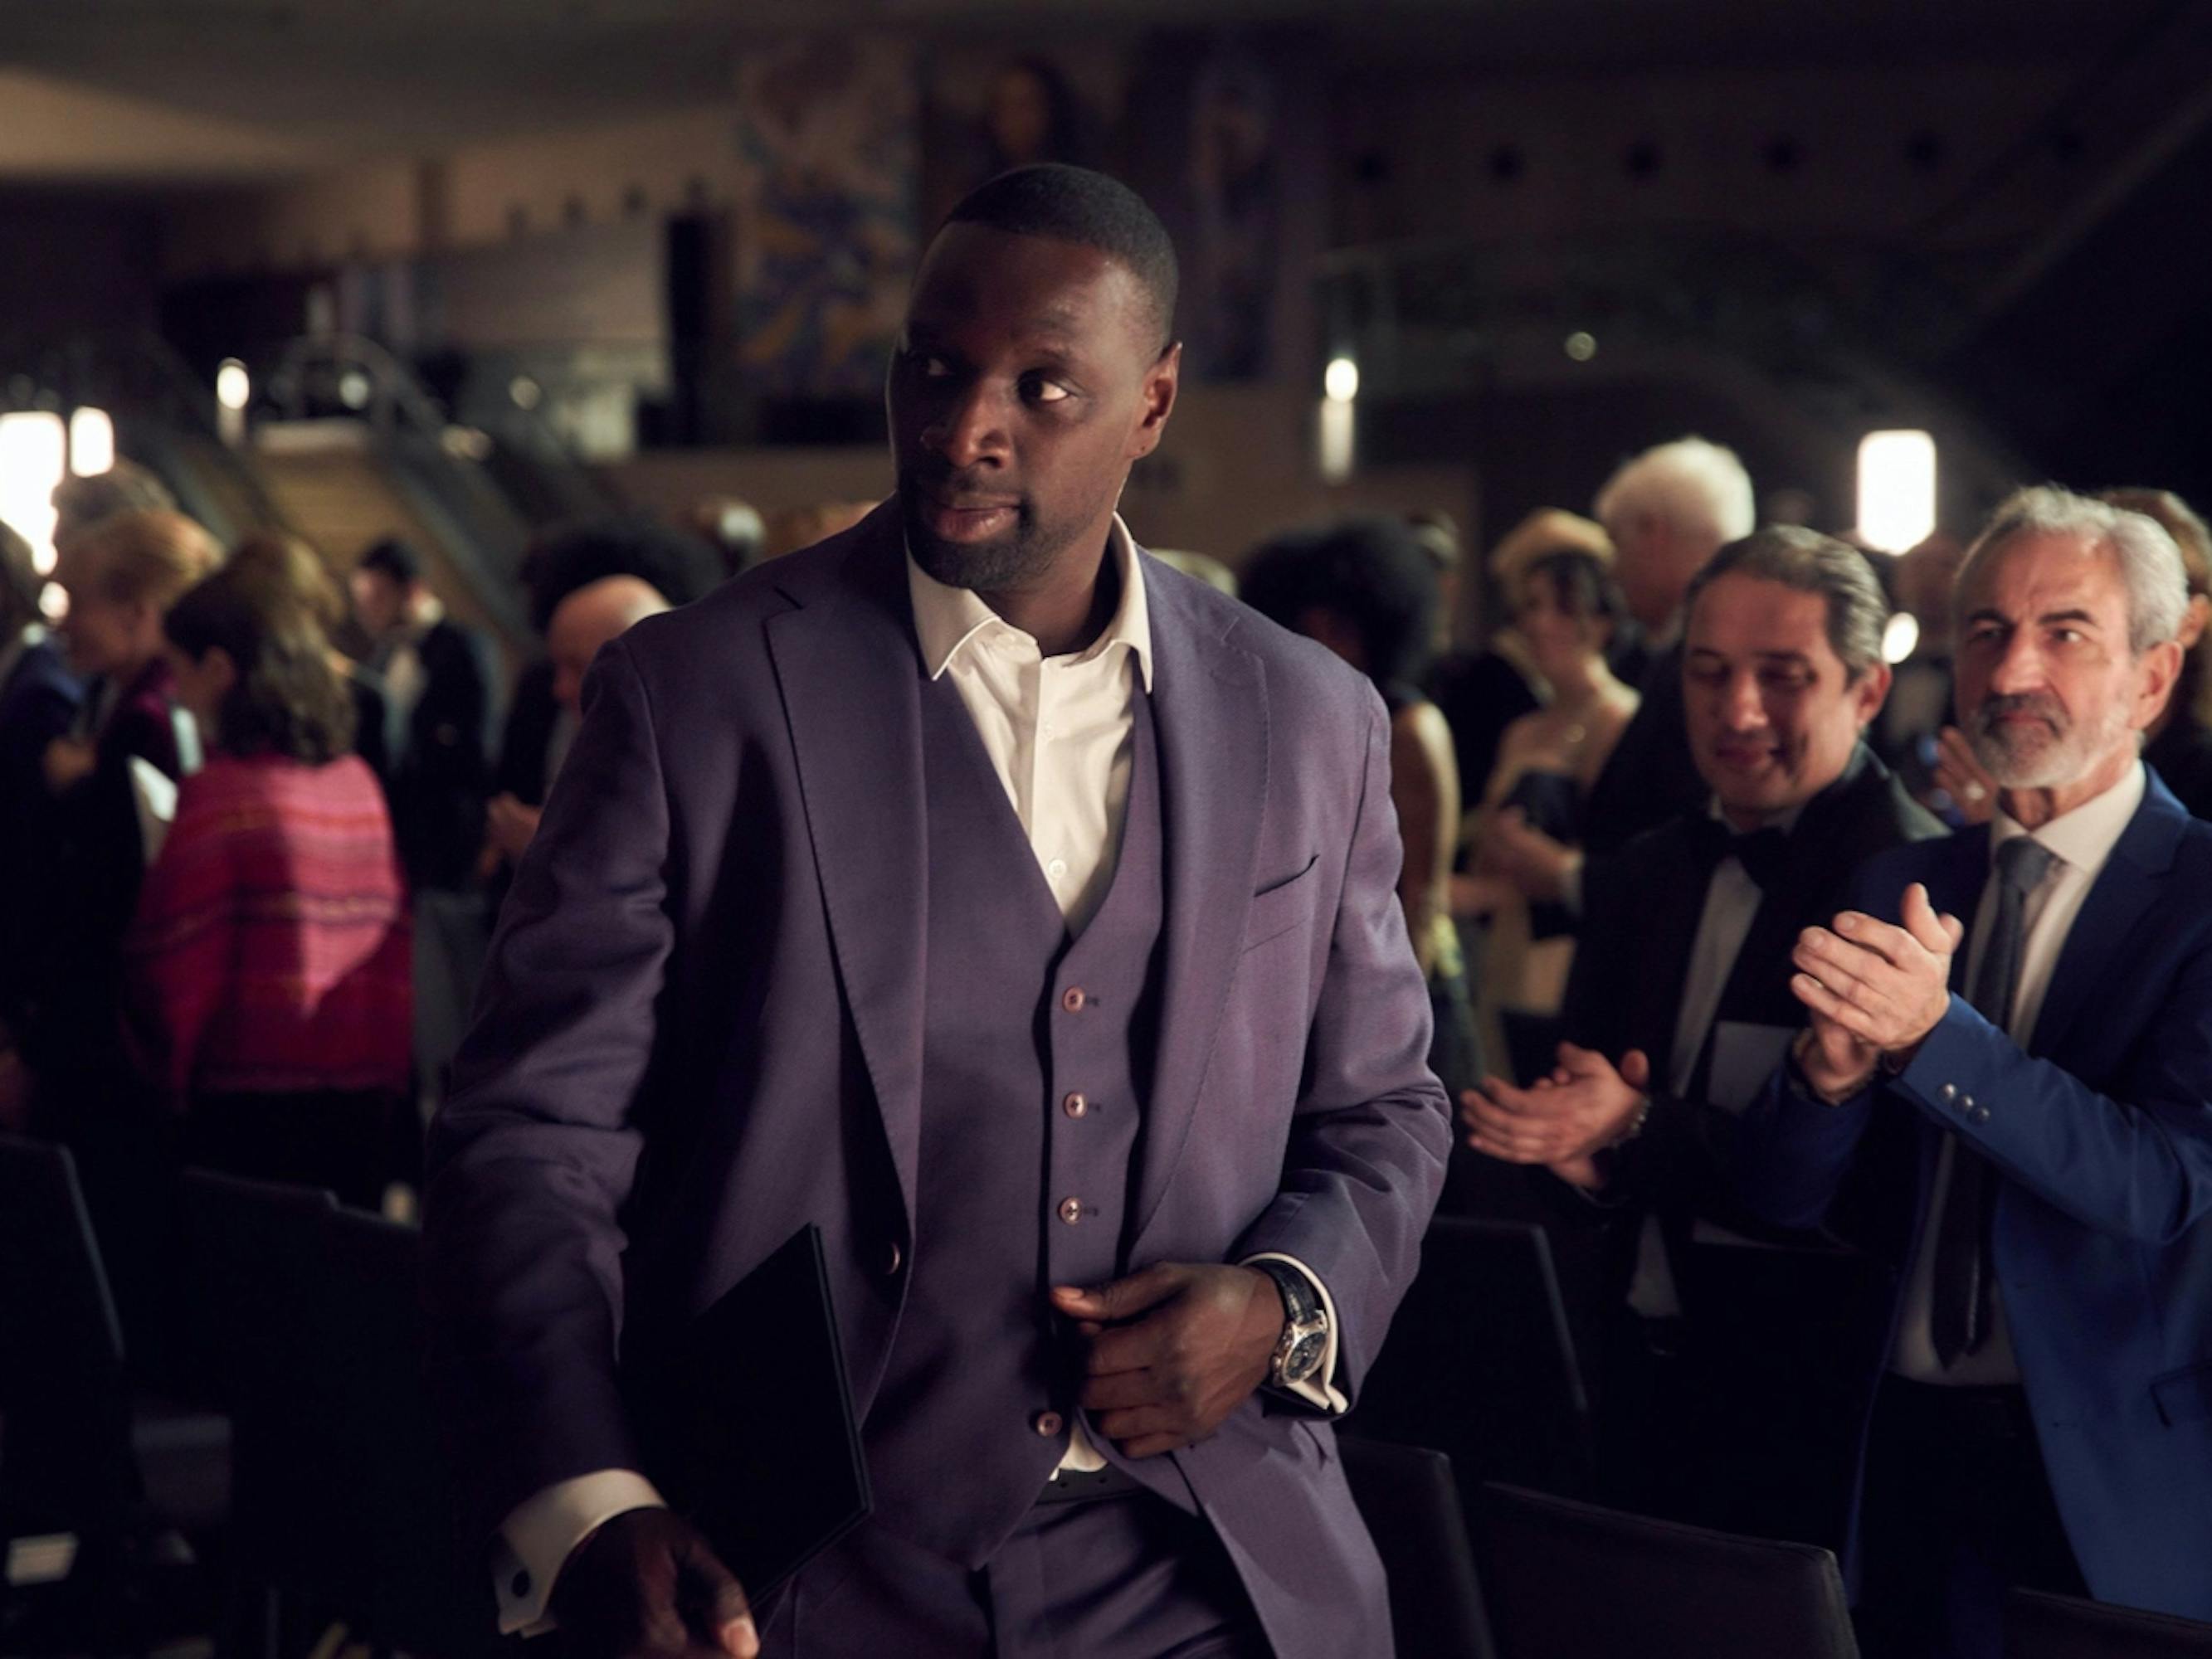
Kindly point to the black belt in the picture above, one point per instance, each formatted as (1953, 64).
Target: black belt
(1079, 1486)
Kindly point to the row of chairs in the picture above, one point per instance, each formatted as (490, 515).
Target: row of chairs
(320, 1479)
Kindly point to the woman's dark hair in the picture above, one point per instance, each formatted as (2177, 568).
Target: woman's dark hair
(288, 699)
(1372, 574)
(1580, 583)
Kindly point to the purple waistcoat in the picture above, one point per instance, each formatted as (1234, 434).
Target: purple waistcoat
(1021, 1186)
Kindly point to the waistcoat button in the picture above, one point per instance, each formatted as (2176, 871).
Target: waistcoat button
(1047, 1424)
(1073, 998)
(894, 1259)
(1075, 1105)
(1071, 1210)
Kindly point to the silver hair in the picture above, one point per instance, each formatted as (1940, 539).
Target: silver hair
(1698, 487)
(2151, 571)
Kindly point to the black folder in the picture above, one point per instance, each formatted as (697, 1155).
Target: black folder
(749, 1422)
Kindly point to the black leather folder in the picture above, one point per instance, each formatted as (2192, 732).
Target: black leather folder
(749, 1425)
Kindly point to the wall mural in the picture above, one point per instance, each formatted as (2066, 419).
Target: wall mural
(827, 181)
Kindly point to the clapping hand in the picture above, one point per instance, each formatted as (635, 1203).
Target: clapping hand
(1873, 988)
(1565, 1119)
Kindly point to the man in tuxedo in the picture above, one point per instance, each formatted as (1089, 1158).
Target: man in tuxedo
(2005, 1089)
(1024, 915)
(1678, 1007)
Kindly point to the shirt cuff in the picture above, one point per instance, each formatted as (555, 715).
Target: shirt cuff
(536, 1539)
(1320, 1390)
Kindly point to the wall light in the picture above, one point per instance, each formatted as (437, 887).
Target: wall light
(91, 441)
(1900, 637)
(234, 386)
(1897, 489)
(34, 450)
(1341, 380)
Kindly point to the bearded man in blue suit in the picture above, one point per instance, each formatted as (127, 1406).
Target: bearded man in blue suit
(2005, 1091)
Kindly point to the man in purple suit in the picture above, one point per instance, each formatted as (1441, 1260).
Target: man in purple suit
(1023, 913)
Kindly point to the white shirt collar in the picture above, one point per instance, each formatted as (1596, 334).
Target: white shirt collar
(946, 619)
(2083, 838)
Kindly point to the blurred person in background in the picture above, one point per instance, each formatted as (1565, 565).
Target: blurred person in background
(587, 619)
(297, 569)
(440, 685)
(38, 701)
(110, 791)
(1908, 733)
(82, 502)
(2178, 744)
(1667, 510)
(733, 527)
(267, 968)
(676, 564)
(1566, 608)
(1367, 589)
(1481, 693)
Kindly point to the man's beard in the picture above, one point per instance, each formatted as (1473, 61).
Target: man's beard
(1002, 564)
(2028, 760)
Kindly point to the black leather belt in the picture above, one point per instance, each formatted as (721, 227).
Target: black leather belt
(1076, 1486)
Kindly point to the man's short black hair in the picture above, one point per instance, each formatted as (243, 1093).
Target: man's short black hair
(394, 558)
(1074, 204)
(1372, 574)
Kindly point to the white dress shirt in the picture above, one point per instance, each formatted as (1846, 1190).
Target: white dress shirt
(1061, 733)
(1732, 901)
(2081, 841)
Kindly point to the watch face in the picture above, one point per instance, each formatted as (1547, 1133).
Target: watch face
(1305, 1359)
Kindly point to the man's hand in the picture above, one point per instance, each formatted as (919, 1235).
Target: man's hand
(1886, 987)
(1584, 1106)
(647, 1586)
(1962, 776)
(509, 826)
(68, 762)
(1173, 1350)
(1526, 857)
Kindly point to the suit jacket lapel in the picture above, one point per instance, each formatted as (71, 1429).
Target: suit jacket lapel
(2125, 888)
(850, 674)
(1210, 713)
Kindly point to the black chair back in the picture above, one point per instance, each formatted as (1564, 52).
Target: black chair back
(1480, 1364)
(67, 1464)
(1568, 1580)
(2038, 1625)
(340, 1498)
(1411, 1504)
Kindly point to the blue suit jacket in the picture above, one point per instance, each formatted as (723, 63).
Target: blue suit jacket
(2102, 1130)
(702, 1026)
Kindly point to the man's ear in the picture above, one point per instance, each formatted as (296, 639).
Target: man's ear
(1871, 691)
(1162, 380)
(2155, 674)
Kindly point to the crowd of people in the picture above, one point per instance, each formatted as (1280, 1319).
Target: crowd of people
(1692, 871)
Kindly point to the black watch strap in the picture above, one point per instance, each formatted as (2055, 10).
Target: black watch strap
(1301, 1302)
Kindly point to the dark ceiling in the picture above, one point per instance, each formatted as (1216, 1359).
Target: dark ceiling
(334, 80)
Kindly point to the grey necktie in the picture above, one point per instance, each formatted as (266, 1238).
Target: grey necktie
(1958, 1318)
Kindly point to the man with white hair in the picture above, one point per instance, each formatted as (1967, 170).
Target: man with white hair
(1667, 510)
(2005, 1091)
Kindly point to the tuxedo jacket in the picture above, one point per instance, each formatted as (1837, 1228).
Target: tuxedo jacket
(703, 1025)
(1641, 909)
(2101, 1129)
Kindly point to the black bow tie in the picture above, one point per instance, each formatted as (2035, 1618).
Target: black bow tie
(1761, 853)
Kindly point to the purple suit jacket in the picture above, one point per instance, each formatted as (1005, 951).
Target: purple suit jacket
(701, 1027)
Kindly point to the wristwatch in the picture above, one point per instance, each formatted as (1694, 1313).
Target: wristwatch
(1305, 1340)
